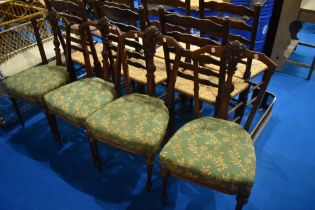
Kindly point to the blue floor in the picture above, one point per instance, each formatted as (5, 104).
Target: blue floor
(35, 173)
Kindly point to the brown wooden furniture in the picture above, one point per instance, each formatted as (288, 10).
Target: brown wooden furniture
(76, 101)
(213, 152)
(174, 25)
(150, 7)
(239, 16)
(124, 20)
(78, 16)
(121, 18)
(136, 123)
(292, 15)
(31, 84)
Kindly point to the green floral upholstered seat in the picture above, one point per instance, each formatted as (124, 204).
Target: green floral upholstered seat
(213, 152)
(32, 84)
(78, 100)
(134, 122)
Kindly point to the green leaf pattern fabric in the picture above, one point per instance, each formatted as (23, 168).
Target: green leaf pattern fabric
(135, 122)
(212, 151)
(32, 84)
(80, 99)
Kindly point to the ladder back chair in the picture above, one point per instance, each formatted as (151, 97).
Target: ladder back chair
(152, 13)
(75, 12)
(121, 4)
(130, 4)
(121, 18)
(32, 84)
(215, 152)
(136, 123)
(173, 25)
(76, 101)
(124, 20)
(243, 19)
(246, 20)
(151, 10)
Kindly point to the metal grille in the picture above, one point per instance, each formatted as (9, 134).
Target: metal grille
(20, 37)
(16, 30)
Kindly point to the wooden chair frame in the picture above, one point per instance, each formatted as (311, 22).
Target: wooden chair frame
(240, 24)
(74, 12)
(124, 19)
(151, 38)
(174, 25)
(40, 46)
(230, 56)
(154, 12)
(69, 12)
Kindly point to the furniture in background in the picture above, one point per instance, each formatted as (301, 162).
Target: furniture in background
(151, 10)
(293, 14)
(239, 18)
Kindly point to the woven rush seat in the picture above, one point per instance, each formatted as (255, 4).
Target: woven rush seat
(140, 75)
(194, 4)
(32, 84)
(207, 93)
(256, 68)
(135, 122)
(78, 100)
(77, 56)
(213, 152)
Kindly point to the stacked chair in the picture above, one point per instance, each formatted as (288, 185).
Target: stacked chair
(133, 50)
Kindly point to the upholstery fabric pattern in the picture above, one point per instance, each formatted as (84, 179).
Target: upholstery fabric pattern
(78, 100)
(214, 152)
(32, 84)
(135, 122)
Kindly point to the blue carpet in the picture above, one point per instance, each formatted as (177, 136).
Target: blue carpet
(35, 173)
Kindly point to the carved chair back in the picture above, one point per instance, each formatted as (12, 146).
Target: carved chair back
(127, 3)
(174, 25)
(230, 56)
(152, 38)
(242, 19)
(120, 19)
(121, 15)
(152, 14)
(104, 27)
(72, 14)
(103, 8)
